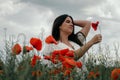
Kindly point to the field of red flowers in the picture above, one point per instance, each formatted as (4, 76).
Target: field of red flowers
(25, 63)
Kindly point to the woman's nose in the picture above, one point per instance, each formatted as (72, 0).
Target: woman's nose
(71, 24)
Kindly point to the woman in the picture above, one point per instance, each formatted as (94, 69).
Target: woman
(63, 32)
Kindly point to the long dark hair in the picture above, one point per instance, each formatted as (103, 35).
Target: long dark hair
(56, 32)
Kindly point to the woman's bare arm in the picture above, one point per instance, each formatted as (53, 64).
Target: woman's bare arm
(85, 26)
(81, 51)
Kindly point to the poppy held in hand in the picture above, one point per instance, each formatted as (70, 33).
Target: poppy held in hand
(95, 25)
(36, 43)
(50, 40)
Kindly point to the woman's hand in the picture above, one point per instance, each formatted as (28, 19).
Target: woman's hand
(81, 51)
(96, 39)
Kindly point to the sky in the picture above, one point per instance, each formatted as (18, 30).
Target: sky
(33, 17)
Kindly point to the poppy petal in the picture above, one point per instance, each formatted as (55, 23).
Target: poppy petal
(64, 51)
(27, 49)
(95, 25)
(16, 49)
(79, 64)
(67, 72)
(50, 40)
(115, 74)
(47, 57)
(70, 53)
(36, 43)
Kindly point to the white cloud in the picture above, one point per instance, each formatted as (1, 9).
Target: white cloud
(26, 18)
(29, 16)
(19, 17)
(9, 7)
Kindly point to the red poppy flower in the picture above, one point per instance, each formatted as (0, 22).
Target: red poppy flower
(27, 49)
(67, 72)
(33, 62)
(55, 61)
(61, 58)
(33, 73)
(65, 65)
(50, 40)
(79, 64)
(55, 52)
(36, 73)
(16, 49)
(36, 43)
(93, 74)
(97, 74)
(47, 57)
(55, 71)
(95, 25)
(64, 51)
(70, 53)
(54, 57)
(34, 59)
(69, 63)
(115, 74)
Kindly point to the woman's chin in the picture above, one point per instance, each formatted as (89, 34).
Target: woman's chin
(70, 32)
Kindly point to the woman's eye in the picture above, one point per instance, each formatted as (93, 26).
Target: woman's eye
(67, 21)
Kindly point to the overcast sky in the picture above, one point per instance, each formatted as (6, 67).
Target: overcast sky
(30, 16)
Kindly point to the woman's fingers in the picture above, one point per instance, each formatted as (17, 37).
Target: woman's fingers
(97, 38)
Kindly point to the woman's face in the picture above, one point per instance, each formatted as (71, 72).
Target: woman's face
(67, 26)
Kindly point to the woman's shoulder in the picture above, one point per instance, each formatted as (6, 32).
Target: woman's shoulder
(81, 37)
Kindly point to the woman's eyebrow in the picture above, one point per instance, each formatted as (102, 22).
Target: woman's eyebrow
(69, 20)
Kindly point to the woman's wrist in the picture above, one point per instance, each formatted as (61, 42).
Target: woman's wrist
(91, 42)
(81, 51)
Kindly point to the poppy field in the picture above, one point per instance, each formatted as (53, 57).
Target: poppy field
(27, 62)
(24, 62)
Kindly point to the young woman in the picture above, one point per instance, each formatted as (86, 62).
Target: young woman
(63, 32)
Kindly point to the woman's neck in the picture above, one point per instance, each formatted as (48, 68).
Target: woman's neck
(64, 39)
